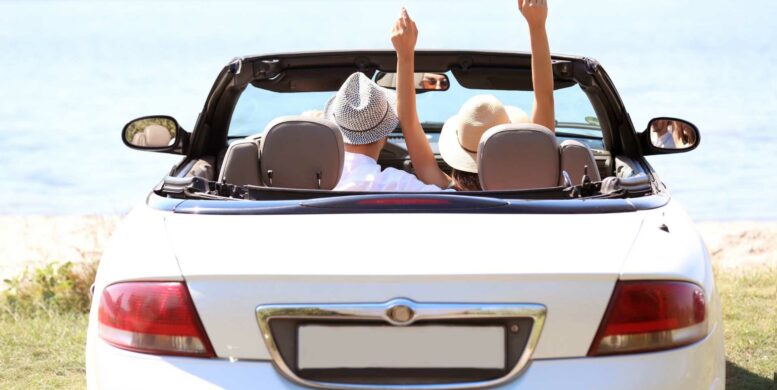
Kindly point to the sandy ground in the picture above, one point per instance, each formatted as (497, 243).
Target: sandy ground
(32, 241)
(740, 245)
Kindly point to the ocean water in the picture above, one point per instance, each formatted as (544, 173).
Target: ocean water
(72, 73)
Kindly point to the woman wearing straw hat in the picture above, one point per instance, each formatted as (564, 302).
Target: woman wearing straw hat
(461, 134)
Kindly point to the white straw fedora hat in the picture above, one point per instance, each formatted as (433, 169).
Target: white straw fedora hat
(460, 135)
(364, 111)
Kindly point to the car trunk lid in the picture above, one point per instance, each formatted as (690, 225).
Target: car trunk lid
(567, 263)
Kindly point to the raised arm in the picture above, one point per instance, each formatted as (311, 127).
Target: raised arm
(403, 36)
(543, 112)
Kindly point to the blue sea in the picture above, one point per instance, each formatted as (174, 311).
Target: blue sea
(72, 73)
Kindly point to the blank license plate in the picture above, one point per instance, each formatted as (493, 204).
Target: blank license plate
(321, 347)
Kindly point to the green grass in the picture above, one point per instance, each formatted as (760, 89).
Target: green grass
(43, 352)
(44, 348)
(750, 322)
(43, 318)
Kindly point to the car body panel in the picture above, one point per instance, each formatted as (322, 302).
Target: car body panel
(363, 244)
(337, 263)
(574, 280)
(139, 249)
(668, 247)
(683, 368)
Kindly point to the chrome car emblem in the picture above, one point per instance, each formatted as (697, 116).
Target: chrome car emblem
(400, 314)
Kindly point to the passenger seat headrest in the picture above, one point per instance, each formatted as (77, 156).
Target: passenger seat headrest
(518, 157)
(301, 152)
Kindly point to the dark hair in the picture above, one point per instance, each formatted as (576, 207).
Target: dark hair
(465, 181)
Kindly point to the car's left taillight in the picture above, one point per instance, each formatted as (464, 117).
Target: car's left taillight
(152, 317)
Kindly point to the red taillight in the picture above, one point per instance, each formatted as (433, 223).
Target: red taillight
(649, 316)
(152, 317)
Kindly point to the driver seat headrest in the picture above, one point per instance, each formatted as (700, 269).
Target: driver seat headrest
(518, 157)
(301, 152)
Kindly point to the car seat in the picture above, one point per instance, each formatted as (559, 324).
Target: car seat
(292, 152)
(301, 152)
(575, 156)
(240, 165)
(518, 157)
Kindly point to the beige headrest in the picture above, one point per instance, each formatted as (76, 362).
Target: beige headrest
(241, 163)
(301, 152)
(518, 157)
(574, 157)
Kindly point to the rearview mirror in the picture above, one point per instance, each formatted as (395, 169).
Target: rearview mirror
(671, 135)
(157, 133)
(424, 82)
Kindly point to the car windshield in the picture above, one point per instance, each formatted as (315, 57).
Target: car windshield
(257, 107)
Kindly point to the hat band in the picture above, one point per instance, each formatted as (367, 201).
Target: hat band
(385, 114)
(462, 146)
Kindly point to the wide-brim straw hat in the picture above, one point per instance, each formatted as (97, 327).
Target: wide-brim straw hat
(460, 135)
(517, 115)
(364, 111)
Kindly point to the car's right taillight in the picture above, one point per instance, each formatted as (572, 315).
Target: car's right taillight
(152, 317)
(650, 316)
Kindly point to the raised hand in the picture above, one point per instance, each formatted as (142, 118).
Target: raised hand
(404, 35)
(535, 12)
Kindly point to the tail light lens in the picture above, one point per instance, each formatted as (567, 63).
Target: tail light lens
(152, 317)
(650, 316)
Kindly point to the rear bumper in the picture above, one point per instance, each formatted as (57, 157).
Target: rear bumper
(699, 366)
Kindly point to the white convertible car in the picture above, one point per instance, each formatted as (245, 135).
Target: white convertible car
(243, 269)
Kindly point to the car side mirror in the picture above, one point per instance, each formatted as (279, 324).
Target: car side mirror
(156, 133)
(669, 135)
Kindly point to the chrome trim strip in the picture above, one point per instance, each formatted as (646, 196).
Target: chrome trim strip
(421, 311)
